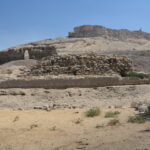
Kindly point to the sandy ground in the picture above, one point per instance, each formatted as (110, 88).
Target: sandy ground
(70, 130)
(74, 97)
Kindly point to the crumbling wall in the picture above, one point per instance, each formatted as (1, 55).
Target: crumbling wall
(100, 31)
(34, 53)
(82, 65)
(6, 56)
(39, 52)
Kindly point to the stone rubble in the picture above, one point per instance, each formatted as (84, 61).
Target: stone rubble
(82, 65)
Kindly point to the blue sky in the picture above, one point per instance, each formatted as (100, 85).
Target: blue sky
(24, 21)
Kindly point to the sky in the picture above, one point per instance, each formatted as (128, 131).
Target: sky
(23, 21)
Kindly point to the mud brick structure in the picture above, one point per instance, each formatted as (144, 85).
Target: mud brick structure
(100, 31)
(36, 52)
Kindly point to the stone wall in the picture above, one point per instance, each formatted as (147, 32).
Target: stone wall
(35, 52)
(100, 31)
(82, 65)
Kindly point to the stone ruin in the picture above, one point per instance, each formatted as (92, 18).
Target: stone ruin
(26, 55)
(36, 52)
(82, 65)
(100, 31)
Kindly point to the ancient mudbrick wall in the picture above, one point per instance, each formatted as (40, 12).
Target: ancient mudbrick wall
(100, 31)
(6, 56)
(82, 65)
(34, 53)
(89, 82)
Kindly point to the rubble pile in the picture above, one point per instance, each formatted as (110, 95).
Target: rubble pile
(82, 65)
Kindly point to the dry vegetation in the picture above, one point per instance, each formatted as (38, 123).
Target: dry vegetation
(93, 112)
(71, 129)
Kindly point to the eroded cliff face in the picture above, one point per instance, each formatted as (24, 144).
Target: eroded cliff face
(82, 65)
(100, 31)
(36, 52)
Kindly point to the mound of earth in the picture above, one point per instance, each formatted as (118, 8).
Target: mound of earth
(15, 69)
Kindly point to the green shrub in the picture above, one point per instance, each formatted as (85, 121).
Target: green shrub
(112, 114)
(138, 75)
(113, 122)
(93, 112)
(78, 121)
(136, 119)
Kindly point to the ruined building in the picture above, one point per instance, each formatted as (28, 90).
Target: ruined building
(35, 52)
(100, 31)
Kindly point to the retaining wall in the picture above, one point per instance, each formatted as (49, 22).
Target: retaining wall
(72, 83)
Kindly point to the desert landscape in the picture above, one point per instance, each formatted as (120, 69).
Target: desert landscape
(89, 91)
(70, 129)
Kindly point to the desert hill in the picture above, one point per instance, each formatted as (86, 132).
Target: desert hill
(98, 40)
(87, 39)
